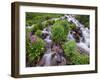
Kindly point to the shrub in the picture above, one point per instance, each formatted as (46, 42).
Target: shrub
(28, 30)
(38, 33)
(34, 18)
(37, 26)
(60, 30)
(47, 17)
(29, 22)
(84, 59)
(58, 33)
(72, 26)
(34, 27)
(65, 24)
(78, 58)
(50, 22)
(35, 49)
(45, 24)
(83, 19)
(70, 48)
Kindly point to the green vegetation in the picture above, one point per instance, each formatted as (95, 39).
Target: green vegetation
(59, 30)
(50, 22)
(70, 48)
(37, 26)
(58, 33)
(78, 58)
(39, 17)
(38, 33)
(75, 57)
(35, 49)
(72, 26)
(84, 19)
(65, 24)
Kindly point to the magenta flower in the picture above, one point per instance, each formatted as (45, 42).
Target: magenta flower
(33, 38)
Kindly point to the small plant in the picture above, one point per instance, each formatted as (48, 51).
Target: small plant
(72, 26)
(70, 48)
(37, 26)
(38, 33)
(50, 22)
(35, 49)
(58, 33)
(47, 17)
(78, 58)
(29, 22)
(65, 24)
(83, 19)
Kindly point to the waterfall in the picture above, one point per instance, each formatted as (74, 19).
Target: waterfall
(47, 55)
(84, 42)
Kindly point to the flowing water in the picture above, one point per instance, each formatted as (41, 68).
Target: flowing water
(47, 56)
(84, 42)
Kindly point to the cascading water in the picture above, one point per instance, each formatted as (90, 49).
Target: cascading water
(47, 56)
(84, 42)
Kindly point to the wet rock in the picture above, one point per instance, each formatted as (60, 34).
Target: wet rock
(83, 49)
(44, 35)
(58, 60)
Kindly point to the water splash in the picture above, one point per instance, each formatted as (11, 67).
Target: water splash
(84, 42)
